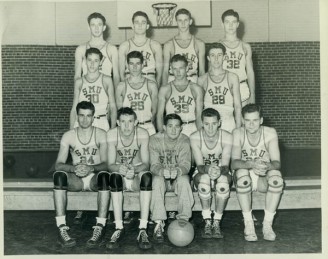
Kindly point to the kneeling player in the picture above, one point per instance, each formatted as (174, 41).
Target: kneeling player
(88, 148)
(211, 147)
(256, 161)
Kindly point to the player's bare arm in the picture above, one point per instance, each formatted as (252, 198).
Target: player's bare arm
(250, 71)
(200, 48)
(102, 144)
(167, 54)
(236, 161)
(271, 138)
(143, 140)
(65, 144)
(164, 93)
(234, 86)
(198, 94)
(226, 148)
(197, 153)
(158, 55)
(122, 52)
(111, 150)
(112, 109)
(79, 54)
(77, 88)
(153, 91)
(119, 94)
(201, 81)
(113, 54)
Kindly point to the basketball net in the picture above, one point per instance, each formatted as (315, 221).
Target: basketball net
(165, 13)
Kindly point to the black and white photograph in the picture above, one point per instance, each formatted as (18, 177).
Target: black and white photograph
(164, 128)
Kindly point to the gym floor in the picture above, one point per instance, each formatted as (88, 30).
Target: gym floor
(35, 233)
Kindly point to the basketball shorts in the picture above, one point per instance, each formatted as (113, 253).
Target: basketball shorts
(189, 128)
(213, 182)
(86, 182)
(101, 123)
(244, 91)
(149, 127)
(132, 185)
(191, 78)
(228, 122)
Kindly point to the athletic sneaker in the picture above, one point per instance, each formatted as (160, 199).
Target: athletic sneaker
(115, 239)
(207, 232)
(64, 239)
(158, 235)
(268, 233)
(143, 239)
(249, 232)
(171, 216)
(98, 232)
(128, 217)
(78, 218)
(216, 230)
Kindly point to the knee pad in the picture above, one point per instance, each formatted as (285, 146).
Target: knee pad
(222, 190)
(116, 183)
(60, 180)
(276, 184)
(244, 184)
(204, 190)
(103, 181)
(146, 182)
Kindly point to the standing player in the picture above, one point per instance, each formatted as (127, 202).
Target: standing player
(150, 49)
(170, 161)
(97, 88)
(181, 96)
(109, 62)
(238, 58)
(187, 45)
(221, 89)
(128, 162)
(211, 147)
(87, 145)
(256, 161)
(139, 93)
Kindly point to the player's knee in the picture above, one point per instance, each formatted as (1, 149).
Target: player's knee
(204, 187)
(103, 181)
(60, 180)
(222, 190)
(244, 184)
(275, 183)
(116, 182)
(146, 182)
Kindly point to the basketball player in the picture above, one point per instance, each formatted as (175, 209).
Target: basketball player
(211, 147)
(181, 96)
(170, 161)
(128, 162)
(221, 89)
(256, 161)
(150, 49)
(97, 88)
(109, 62)
(238, 58)
(139, 93)
(87, 145)
(187, 45)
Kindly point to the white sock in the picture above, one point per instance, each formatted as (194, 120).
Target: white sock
(207, 214)
(248, 215)
(268, 216)
(118, 224)
(60, 220)
(143, 223)
(217, 215)
(101, 221)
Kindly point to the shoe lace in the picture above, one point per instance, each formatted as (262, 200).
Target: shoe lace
(249, 225)
(116, 235)
(96, 232)
(208, 225)
(64, 234)
(159, 229)
(172, 214)
(79, 214)
(216, 225)
(267, 228)
(143, 235)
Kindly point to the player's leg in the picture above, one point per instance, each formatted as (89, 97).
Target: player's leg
(202, 183)
(243, 183)
(116, 187)
(185, 197)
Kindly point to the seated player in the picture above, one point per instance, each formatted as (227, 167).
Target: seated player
(170, 161)
(128, 162)
(256, 161)
(211, 147)
(87, 145)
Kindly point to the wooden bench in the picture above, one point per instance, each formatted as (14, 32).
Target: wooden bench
(37, 194)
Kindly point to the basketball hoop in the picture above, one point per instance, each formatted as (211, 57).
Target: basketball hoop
(165, 13)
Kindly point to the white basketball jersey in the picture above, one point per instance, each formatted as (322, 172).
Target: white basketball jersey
(95, 92)
(181, 103)
(87, 153)
(139, 100)
(211, 155)
(129, 154)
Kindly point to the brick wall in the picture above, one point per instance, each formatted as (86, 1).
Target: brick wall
(38, 93)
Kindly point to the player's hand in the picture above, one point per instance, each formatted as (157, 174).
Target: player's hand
(261, 165)
(259, 172)
(214, 172)
(166, 173)
(123, 169)
(174, 173)
(130, 172)
(82, 170)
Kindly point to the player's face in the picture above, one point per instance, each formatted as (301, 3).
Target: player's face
(211, 125)
(183, 22)
(215, 57)
(127, 124)
(179, 70)
(85, 118)
(140, 25)
(252, 122)
(93, 62)
(135, 66)
(230, 24)
(97, 27)
(173, 129)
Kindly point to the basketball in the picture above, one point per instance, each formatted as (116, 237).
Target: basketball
(32, 170)
(180, 233)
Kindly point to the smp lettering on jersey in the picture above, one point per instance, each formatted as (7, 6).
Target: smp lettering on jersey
(233, 59)
(170, 158)
(127, 155)
(191, 60)
(92, 94)
(181, 103)
(218, 95)
(254, 154)
(86, 157)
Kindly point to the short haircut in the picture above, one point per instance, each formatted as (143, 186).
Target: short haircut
(251, 107)
(230, 12)
(216, 45)
(172, 116)
(84, 105)
(210, 112)
(179, 57)
(93, 51)
(140, 13)
(126, 111)
(183, 11)
(135, 54)
(97, 15)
